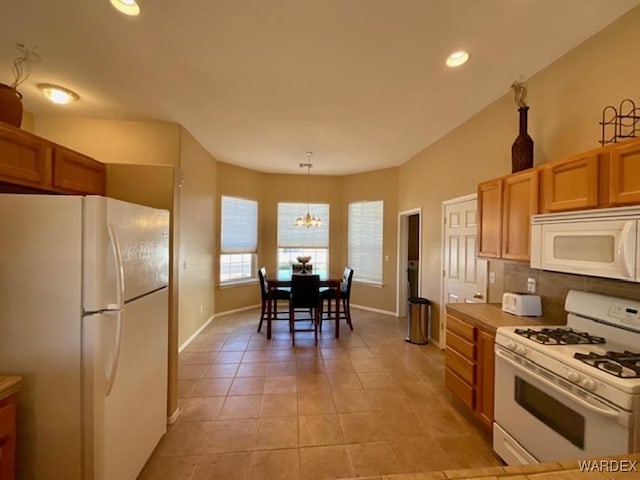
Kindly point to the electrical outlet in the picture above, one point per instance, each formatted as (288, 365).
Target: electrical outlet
(492, 278)
(531, 285)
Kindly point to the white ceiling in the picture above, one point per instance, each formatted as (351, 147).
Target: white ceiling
(361, 83)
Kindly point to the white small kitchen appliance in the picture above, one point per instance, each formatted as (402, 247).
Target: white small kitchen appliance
(522, 304)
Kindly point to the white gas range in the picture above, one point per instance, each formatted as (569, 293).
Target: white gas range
(571, 391)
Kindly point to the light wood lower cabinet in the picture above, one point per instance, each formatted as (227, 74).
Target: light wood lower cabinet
(7, 437)
(469, 367)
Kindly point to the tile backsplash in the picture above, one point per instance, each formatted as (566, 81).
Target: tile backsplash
(553, 287)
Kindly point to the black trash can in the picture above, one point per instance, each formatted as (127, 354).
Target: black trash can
(418, 320)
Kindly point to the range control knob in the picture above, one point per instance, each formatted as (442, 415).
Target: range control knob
(589, 384)
(511, 345)
(520, 350)
(573, 376)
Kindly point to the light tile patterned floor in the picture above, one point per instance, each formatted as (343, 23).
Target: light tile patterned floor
(367, 404)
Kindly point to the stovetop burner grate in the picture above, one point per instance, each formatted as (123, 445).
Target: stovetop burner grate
(621, 364)
(559, 336)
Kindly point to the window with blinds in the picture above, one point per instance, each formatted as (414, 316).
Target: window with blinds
(239, 239)
(301, 241)
(364, 241)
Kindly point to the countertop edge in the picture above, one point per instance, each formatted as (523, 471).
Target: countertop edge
(489, 316)
(9, 385)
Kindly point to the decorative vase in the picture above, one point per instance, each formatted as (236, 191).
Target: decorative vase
(522, 148)
(10, 105)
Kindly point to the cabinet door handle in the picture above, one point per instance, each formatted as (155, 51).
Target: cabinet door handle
(477, 295)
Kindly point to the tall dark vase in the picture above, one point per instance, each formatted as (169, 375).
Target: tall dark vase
(522, 148)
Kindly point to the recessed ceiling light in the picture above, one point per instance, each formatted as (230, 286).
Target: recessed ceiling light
(457, 58)
(57, 94)
(128, 7)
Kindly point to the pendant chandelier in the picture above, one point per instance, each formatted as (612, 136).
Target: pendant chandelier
(308, 219)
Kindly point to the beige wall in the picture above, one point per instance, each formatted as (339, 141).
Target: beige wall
(566, 101)
(113, 141)
(243, 183)
(197, 236)
(268, 190)
(376, 185)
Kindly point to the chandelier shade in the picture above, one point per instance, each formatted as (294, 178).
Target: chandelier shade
(308, 219)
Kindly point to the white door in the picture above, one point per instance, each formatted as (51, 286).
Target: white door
(465, 276)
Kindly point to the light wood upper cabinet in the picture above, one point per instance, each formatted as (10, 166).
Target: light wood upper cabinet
(31, 164)
(25, 159)
(571, 184)
(77, 173)
(624, 172)
(505, 206)
(519, 202)
(490, 218)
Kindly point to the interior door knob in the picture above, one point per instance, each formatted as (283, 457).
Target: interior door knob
(477, 295)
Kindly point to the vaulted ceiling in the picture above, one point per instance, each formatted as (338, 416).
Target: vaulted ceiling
(360, 83)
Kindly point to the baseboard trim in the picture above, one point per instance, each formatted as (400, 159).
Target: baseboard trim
(196, 333)
(236, 310)
(173, 417)
(376, 310)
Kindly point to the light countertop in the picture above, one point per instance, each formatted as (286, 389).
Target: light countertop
(9, 385)
(489, 316)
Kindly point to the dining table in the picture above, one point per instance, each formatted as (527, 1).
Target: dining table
(283, 280)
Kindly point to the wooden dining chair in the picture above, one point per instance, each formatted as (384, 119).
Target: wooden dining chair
(345, 298)
(277, 294)
(305, 295)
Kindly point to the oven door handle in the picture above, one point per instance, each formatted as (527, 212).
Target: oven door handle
(621, 417)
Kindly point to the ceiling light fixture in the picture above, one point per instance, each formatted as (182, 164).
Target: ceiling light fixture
(308, 220)
(128, 7)
(57, 94)
(457, 58)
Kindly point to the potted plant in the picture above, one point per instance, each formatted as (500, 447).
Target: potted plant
(10, 97)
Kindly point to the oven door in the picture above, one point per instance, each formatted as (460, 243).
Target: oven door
(549, 421)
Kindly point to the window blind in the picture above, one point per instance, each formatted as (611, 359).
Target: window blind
(239, 225)
(291, 236)
(364, 240)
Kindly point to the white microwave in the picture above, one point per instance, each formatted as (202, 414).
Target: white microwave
(599, 243)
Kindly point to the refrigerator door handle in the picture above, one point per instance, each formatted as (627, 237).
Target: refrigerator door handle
(117, 256)
(113, 370)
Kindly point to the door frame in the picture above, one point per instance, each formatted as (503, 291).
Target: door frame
(443, 310)
(403, 264)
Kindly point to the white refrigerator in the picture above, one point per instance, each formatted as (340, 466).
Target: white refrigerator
(84, 320)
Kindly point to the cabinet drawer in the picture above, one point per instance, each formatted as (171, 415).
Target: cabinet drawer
(459, 388)
(461, 346)
(463, 329)
(7, 417)
(460, 365)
